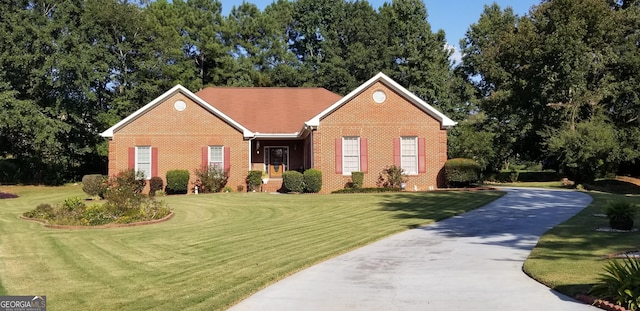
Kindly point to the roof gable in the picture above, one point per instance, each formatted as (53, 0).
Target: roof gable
(445, 122)
(160, 99)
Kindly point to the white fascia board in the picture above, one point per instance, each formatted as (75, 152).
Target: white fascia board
(178, 88)
(276, 135)
(444, 120)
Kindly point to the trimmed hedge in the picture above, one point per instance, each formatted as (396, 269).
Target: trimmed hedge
(312, 180)
(254, 180)
(367, 190)
(94, 185)
(177, 181)
(357, 179)
(461, 172)
(293, 181)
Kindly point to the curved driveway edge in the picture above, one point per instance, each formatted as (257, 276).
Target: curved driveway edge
(468, 262)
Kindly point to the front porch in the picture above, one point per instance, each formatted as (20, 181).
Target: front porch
(276, 156)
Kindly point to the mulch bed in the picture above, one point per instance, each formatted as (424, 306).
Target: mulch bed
(107, 226)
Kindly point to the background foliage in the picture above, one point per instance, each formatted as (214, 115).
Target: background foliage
(529, 87)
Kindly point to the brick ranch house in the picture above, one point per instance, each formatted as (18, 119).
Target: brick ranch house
(378, 124)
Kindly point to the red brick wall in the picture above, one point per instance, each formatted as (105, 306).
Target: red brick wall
(380, 124)
(179, 137)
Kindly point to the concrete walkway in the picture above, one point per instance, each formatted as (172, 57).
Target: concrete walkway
(469, 262)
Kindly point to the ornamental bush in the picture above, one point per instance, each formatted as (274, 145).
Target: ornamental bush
(391, 177)
(461, 172)
(94, 185)
(155, 184)
(177, 181)
(293, 181)
(254, 180)
(211, 179)
(312, 180)
(357, 179)
(620, 283)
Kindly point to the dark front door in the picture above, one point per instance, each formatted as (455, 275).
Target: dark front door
(277, 161)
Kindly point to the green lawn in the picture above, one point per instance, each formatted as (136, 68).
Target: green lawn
(217, 249)
(569, 257)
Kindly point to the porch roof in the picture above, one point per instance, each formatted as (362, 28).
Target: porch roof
(270, 111)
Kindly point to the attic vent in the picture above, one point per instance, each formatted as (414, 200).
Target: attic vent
(180, 105)
(379, 96)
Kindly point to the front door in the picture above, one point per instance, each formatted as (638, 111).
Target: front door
(277, 161)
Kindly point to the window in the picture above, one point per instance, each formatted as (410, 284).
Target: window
(350, 155)
(143, 160)
(216, 157)
(409, 154)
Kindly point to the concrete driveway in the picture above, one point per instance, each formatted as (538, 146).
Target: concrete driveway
(469, 262)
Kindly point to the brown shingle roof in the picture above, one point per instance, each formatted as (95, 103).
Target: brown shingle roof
(269, 110)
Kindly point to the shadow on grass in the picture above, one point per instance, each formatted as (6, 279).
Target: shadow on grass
(614, 186)
(516, 220)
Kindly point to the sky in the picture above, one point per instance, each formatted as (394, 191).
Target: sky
(454, 17)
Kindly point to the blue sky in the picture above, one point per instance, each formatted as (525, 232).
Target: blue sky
(454, 17)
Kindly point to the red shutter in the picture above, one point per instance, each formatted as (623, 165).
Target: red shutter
(364, 155)
(227, 158)
(396, 152)
(205, 157)
(422, 159)
(154, 161)
(338, 155)
(132, 158)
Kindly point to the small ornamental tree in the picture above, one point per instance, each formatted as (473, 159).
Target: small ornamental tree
(461, 172)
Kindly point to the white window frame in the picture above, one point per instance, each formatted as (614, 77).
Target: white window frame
(139, 150)
(217, 164)
(405, 158)
(347, 170)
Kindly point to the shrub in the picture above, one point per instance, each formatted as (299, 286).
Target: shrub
(461, 172)
(620, 283)
(155, 184)
(227, 189)
(124, 190)
(357, 179)
(211, 179)
(293, 181)
(312, 180)
(240, 188)
(94, 185)
(621, 214)
(42, 211)
(254, 180)
(177, 181)
(391, 177)
(513, 176)
(366, 190)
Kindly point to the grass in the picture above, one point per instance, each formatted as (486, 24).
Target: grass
(217, 250)
(569, 257)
